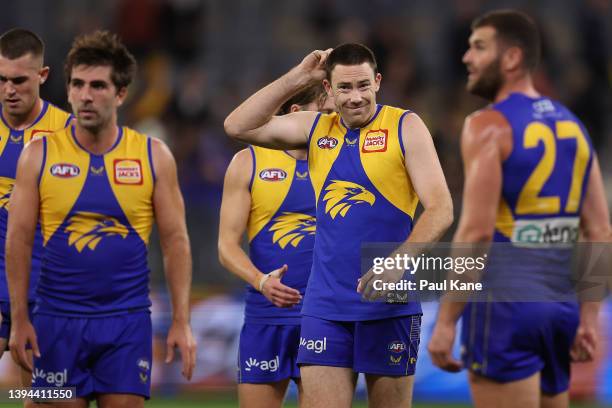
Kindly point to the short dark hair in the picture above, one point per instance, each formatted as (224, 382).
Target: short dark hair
(515, 29)
(313, 93)
(350, 54)
(102, 48)
(18, 42)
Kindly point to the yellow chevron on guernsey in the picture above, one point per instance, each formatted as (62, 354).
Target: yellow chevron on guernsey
(341, 195)
(88, 229)
(291, 228)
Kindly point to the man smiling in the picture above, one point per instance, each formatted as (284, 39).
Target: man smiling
(369, 165)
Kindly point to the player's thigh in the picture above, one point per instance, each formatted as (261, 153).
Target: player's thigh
(269, 395)
(300, 388)
(487, 393)
(120, 401)
(326, 386)
(389, 392)
(560, 400)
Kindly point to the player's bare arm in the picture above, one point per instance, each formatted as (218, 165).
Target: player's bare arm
(427, 177)
(254, 121)
(485, 142)
(170, 218)
(594, 227)
(24, 207)
(235, 209)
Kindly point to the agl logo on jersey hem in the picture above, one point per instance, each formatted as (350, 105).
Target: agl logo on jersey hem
(65, 170)
(273, 174)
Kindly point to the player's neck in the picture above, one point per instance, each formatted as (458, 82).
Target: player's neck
(22, 122)
(97, 141)
(523, 85)
(298, 154)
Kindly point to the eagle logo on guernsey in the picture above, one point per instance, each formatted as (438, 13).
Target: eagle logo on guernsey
(5, 198)
(87, 229)
(341, 195)
(290, 228)
(375, 141)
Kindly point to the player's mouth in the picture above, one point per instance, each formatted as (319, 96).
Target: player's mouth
(12, 101)
(87, 113)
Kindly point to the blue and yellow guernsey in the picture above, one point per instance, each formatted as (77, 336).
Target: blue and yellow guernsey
(281, 229)
(12, 141)
(544, 178)
(96, 215)
(364, 195)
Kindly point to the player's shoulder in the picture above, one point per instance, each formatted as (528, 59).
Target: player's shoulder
(485, 126)
(57, 117)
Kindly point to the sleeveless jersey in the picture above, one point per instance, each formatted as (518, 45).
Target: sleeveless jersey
(544, 181)
(364, 195)
(96, 215)
(281, 229)
(12, 141)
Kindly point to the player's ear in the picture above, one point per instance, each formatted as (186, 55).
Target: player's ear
(121, 95)
(512, 58)
(328, 87)
(44, 74)
(377, 79)
(294, 108)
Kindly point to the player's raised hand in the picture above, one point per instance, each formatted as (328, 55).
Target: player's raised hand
(441, 345)
(180, 336)
(313, 64)
(276, 292)
(22, 334)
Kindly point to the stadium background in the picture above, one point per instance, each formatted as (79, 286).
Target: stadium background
(199, 59)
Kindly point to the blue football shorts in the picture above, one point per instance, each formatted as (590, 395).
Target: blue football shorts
(268, 353)
(510, 341)
(96, 355)
(386, 347)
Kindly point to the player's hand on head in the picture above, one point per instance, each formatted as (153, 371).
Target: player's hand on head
(181, 337)
(276, 292)
(313, 64)
(441, 346)
(22, 334)
(585, 344)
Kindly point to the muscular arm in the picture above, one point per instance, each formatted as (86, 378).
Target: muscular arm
(426, 174)
(254, 121)
(235, 210)
(170, 218)
(485, 142)
(594, 227)
(24, 206)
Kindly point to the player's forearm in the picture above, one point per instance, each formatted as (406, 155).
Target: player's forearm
(234, 259)
(18, 255)
(450, 311)
(259, 108)
(432, 224)
(178, 267)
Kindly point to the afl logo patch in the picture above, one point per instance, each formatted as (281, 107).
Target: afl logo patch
(273, 174)
(396, 346)
(127, 171)
(327, 142)
(375, 141)
(65, 170)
